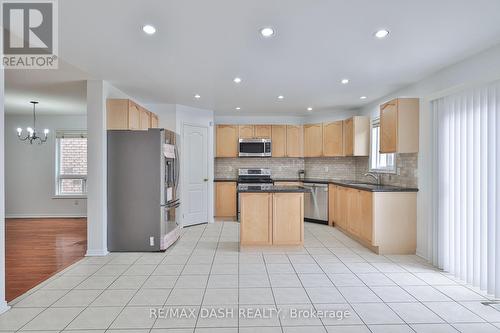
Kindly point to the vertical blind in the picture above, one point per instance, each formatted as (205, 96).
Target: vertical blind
(466, 201)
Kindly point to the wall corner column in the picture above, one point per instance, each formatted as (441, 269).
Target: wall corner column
(96, 169)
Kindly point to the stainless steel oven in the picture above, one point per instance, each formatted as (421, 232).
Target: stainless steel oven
(255, 148)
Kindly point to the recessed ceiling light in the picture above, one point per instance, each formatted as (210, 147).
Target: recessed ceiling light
(363, 97)
(238, 108)
(149, 29)
(382, 33)
(309, 109)
(344, 81)
(267, 32)
(197, 96)
(281, 97)
(237, 80)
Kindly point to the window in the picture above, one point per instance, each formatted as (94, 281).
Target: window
(71, 163)
(380, 162)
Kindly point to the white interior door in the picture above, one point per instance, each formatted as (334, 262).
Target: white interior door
(195, 150)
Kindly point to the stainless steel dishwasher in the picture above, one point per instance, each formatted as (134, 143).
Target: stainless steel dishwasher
(316, 203)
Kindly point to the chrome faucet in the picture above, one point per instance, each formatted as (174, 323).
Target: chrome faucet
(375, 176)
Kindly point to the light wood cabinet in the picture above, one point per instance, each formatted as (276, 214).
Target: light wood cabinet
(385, 222)
(225, 199)
(399, 126)
(313, 140)
(144, 119)
(246, 131)
(278, 137)
(124, 114)
(294, 141)
(262, 131)
(332, 190)
(227, 141)
(256, 223)
(365, 215)
(333, 138)
(356, 132)
(154, 121)
(288, 214)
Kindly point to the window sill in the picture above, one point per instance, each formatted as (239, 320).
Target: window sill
(69, 197)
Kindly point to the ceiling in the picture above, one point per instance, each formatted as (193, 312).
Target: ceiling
(200, 46)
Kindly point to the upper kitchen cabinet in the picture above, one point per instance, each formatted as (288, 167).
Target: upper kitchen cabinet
(227, 141)
(123, 114)
(333, 139)
(262, 131)
(295, 141)
(313, 137)
(399, 126)
(357, 136)
(246, 131)
(278, 137)
(154, 121)
(144, 118)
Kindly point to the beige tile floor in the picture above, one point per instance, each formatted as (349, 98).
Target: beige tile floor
(200, 280)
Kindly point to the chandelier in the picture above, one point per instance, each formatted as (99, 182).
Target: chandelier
(31, 135)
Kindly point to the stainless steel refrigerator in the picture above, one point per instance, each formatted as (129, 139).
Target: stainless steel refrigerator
(143, 174)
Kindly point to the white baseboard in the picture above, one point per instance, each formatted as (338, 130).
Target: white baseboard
(44, 216)
(4, 306)
(97, 253)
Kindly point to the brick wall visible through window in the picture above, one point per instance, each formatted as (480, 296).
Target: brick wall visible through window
(71, 166)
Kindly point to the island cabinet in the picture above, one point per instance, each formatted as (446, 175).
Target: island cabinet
(226, 141)
(271, 219)
(295, 141)
(356, 131)
(225, 200)
(278, 137)
(313, 140)
(333, 139)
(385, 222)
(399, 126)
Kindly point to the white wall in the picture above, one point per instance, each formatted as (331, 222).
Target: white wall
(30, 170)
(194, 116)
(481, 68)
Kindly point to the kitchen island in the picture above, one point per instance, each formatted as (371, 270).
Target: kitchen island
(272, 216)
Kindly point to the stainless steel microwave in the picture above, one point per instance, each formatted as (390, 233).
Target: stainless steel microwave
(255, 148)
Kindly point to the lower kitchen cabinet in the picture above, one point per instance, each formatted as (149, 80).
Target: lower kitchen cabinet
(256, 215)
(286, 208)
(271, 219)
(225, 200)
(385, 222)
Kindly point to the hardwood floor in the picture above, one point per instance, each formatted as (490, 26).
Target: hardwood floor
(36, 249)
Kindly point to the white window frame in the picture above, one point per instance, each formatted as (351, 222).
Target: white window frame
(375, 149)
(60, 134)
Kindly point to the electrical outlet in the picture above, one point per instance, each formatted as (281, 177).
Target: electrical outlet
(326, 169)
(151, 241)
(399, 171)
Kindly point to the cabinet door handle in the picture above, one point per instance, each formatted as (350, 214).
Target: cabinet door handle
(205, 179)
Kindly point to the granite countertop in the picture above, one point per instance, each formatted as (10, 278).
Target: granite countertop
(347, 183)
(277, 189)
(352, 184)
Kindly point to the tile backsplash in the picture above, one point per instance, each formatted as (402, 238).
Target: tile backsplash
(227, 168)
(407, 164)
(341, 168)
